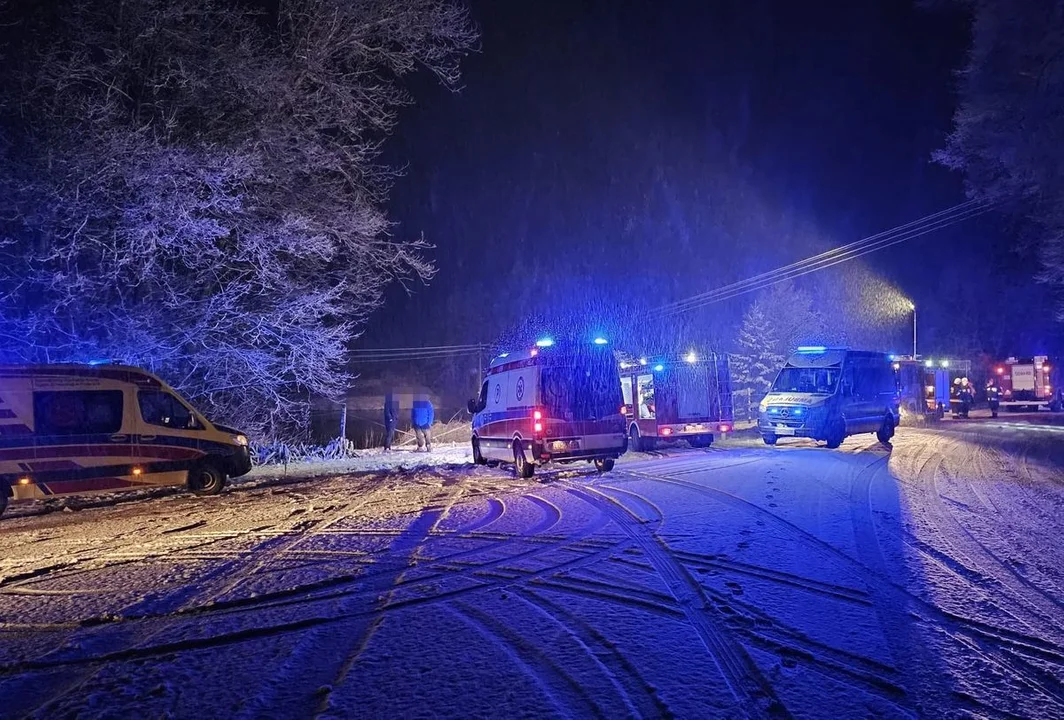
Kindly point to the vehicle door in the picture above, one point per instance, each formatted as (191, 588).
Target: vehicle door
(848, 402)
(646, 405)
(170, 436)
(867, 410)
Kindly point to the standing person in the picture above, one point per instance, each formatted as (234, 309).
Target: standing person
(391, 416)
(422, 415)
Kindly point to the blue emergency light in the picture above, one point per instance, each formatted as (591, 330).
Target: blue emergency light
(600, 341)
(545, 342)
(812, 349)
(659, 367)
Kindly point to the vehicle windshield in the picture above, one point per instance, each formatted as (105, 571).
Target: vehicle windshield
(584, 386)
(821, 380)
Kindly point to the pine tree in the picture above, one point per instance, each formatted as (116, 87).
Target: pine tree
(759, 357)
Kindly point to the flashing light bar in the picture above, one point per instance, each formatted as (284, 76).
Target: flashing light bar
(600, 341)
(545, 342)
(812, 349)
(659, 367)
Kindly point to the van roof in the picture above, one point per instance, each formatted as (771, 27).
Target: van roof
(122, 373)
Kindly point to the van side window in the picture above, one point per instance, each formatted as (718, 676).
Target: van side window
(77, 412)
(482, 399)
(162, 408)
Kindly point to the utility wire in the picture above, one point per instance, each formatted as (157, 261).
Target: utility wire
(879, 241)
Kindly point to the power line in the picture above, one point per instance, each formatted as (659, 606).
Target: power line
(822, 261)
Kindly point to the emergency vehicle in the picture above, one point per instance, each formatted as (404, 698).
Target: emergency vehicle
(676, 398)
(550, 403)
(829, 394)
(925, 385)
(88, 428)
(1026, 384)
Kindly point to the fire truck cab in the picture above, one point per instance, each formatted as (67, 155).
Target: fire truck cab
(1026, 384)
(924, 386)
(676, 398)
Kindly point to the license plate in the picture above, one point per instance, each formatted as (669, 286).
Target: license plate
(784, 430)
(694, 428)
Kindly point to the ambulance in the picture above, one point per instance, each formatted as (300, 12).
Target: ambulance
(555, 402)
(89, 428)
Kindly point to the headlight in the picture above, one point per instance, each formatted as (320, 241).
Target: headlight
(763, 405)
(239, 439)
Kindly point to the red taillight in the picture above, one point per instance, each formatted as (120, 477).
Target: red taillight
(537, 415)
(624, 409)
(537, 424)
(666, 431)
(724, 428)
(538, 427)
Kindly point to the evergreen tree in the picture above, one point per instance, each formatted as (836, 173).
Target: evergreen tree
(758, 360)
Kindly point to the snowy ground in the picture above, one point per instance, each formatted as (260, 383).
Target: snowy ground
(922, 580)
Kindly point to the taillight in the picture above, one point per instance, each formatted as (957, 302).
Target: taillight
(537, 421)
(724, 428)
(624, 409)
(666, 431)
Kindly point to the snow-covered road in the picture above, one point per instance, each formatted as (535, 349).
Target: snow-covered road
(925, 580)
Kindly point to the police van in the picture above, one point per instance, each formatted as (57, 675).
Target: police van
(90, 428)
(829, 394)
(550, 403)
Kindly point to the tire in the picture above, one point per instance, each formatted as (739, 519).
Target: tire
(604, 465)
(836, 433)
(3, 499)
(769, 439)
(522, 466)
(478, 459)
(886, 431)
(206, 479)
(638, 443)
(700, 441)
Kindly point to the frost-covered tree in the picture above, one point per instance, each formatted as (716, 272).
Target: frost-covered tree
(757, 360)
(193, 186)
(1008, 128)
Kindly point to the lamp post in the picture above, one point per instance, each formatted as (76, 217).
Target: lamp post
(912, 306)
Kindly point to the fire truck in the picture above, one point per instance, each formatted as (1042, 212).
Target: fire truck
(924, 386)
(1027, 384)
(674, 398)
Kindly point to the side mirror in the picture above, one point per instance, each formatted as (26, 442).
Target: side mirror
(471, 406)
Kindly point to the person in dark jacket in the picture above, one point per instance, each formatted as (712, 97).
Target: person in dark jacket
(391, 417)
(421, 417)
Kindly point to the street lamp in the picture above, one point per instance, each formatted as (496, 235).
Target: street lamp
(912, 306)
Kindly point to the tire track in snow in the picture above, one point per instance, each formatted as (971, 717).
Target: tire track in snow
(914, 665)
(748, 686)
(101, 640)
(565, 692)
(641, 698)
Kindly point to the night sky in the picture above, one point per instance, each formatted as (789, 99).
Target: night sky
(624, 154)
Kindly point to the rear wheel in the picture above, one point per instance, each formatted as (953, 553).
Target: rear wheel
(700, 441)
(478, 459)
(604, 464)
(521, 464)
(769, 439)
(206, 479)
(886, 431)
(637, 442)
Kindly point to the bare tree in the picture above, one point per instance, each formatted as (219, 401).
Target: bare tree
(196, 189)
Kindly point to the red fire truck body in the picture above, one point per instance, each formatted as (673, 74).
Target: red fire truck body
(1026, 384)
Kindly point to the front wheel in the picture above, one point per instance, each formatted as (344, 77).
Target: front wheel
(206, 479)
(478, 458)
(524, 468)
(836, 434)
(604, 465)
(769, 439)
(637, 443)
